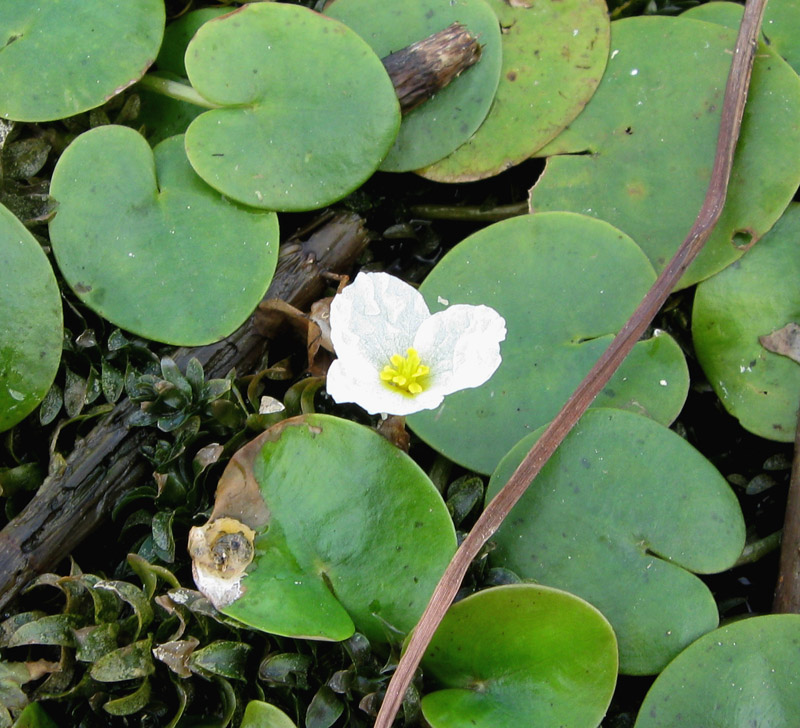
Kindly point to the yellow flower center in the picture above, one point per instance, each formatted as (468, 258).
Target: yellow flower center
(405, 373)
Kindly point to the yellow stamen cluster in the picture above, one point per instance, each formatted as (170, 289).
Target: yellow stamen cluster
(405, 372)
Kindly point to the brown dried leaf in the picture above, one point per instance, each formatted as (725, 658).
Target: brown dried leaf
(175, 654)
(784, 341)
(393, 428)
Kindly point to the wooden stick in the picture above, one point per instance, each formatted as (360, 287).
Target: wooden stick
(424, 68)
(108, 462)
(601, 372)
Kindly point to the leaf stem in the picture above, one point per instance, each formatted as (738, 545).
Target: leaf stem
(601, 372)
(469, 213)
(787, 593)
(756, 550)
(176, 90)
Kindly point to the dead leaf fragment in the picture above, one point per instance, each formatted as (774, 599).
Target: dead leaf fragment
(174, 654)
(784, 341)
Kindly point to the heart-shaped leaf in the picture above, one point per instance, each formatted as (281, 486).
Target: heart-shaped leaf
(348, 531)
(553, 58)
(30, 324)
(620, 515)
(737, 306)
(521, 654)
(61, 58)
(565, 284)
(177, 36)
(438, 126)
(640, 154)
(152, 248)
(312, 111)
(738, 676)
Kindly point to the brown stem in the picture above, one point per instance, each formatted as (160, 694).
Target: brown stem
(469, 213)
(424, 68)
(787, 593)
(107, 462)
(601, 372)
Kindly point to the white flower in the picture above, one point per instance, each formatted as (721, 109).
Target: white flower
(394, 357)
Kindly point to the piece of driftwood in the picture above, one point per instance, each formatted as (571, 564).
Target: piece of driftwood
(491, 518)
(424, 68)
(107, 462)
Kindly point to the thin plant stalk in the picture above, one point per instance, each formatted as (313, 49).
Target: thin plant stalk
(175, 90)
(491, 518)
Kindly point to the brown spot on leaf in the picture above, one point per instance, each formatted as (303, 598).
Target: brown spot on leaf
(636, 189)
(511, 76)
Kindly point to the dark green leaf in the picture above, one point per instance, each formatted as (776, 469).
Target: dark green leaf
(130, 704)
(324, 709)
(111, 380)
(287, 669)
(223, 658)
(96, 641)
(163, 540)
(136, 598)
(25, 477)
(462, 496)
(126, 663)
(56, 629)
(74, 393)
(23, 159)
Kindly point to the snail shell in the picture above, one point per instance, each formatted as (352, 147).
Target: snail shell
(221, 551)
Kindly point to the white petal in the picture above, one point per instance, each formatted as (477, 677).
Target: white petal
(360, 383)
(461, 345)
(375, 317)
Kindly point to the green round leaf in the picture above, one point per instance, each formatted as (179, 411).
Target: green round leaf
(258, 714)
(723, 13)
(518, 655)
(438, 126)
(143, 241)
(312, 111)
(177, 36)
(620, 515)
(732, 310)
(641, 153)
(162, 116)
(780, 28)
(349, 531)
(739, 676)
(565, 284)
(30, 325)
(61, 57)
(553, 58)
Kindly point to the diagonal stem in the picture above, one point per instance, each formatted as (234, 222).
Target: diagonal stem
(601, 372)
